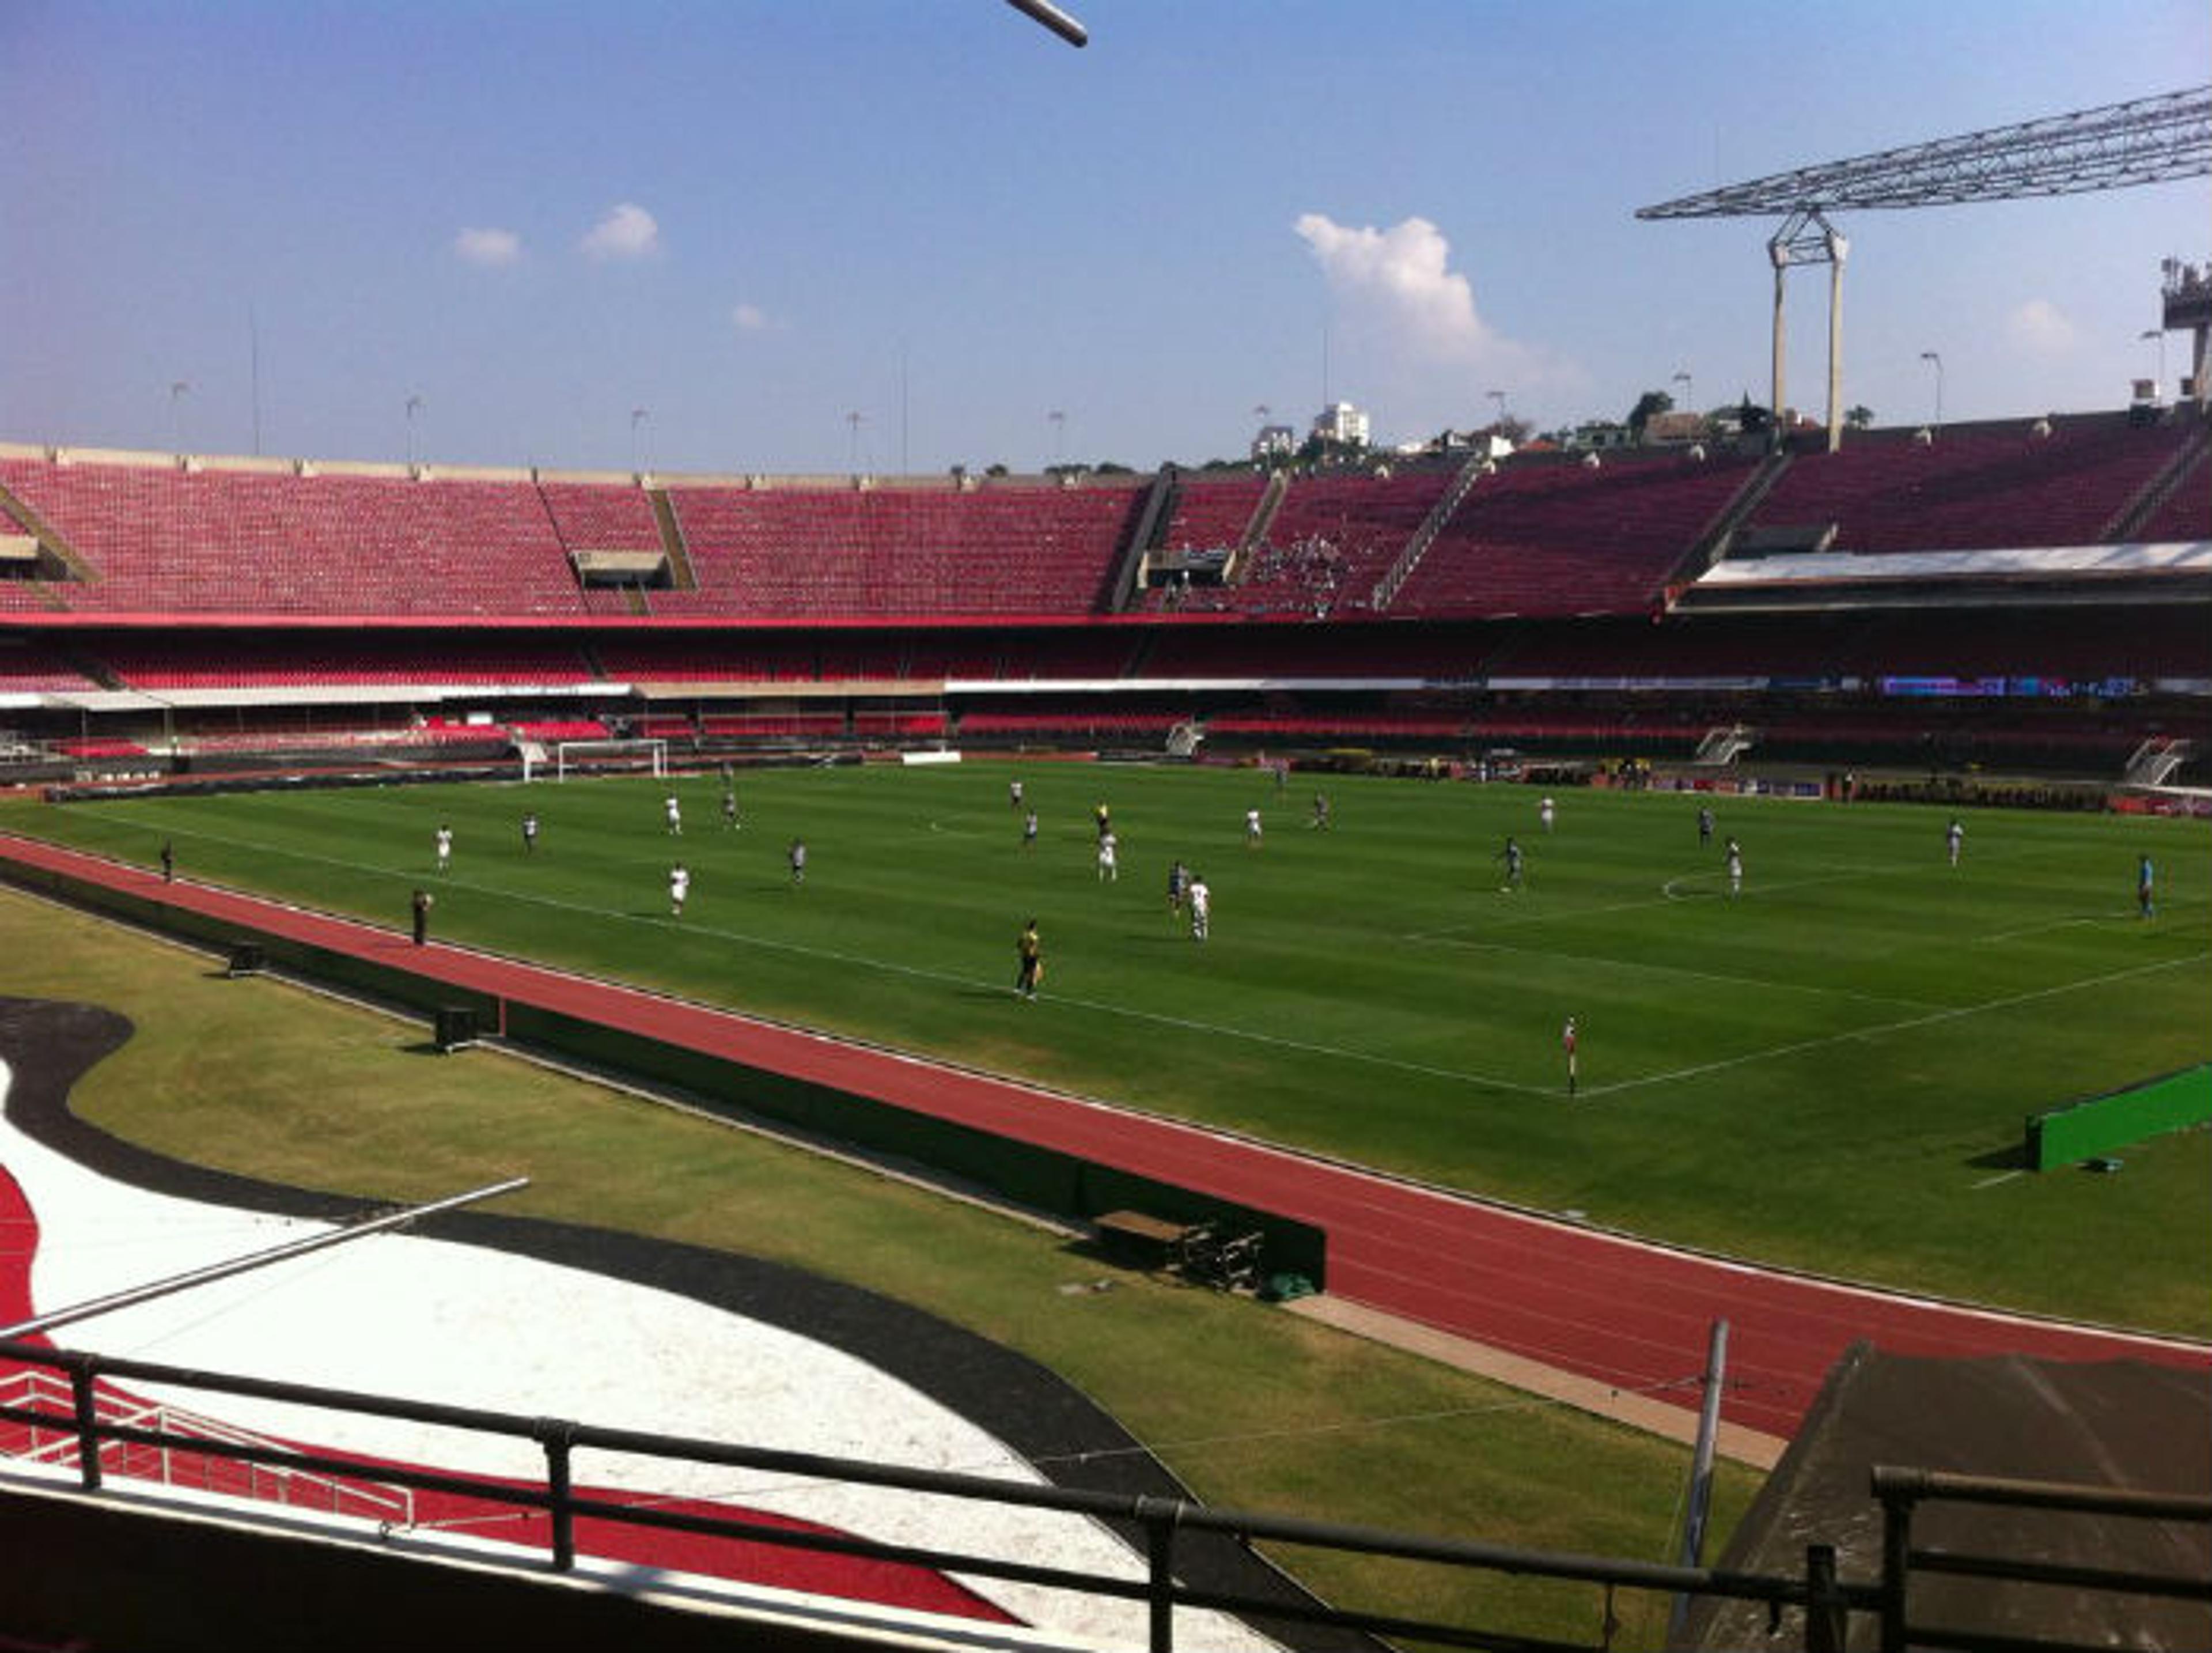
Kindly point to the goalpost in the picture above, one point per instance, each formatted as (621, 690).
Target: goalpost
(597, 755)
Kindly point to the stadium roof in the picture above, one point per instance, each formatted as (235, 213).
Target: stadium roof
(2145, 140)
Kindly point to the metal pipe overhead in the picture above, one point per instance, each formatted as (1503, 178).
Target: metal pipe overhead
(213, 1272)
(2145, 140)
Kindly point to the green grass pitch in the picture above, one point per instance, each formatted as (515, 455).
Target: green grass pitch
(1829, 1070)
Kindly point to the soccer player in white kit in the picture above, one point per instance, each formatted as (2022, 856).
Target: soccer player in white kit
(1544, 814)
(1734, 869)
(1201, 910)
(675, 817)
(1109, 870)
(679, 887)
(1953, 837)
(444, 842)
(1251, 829)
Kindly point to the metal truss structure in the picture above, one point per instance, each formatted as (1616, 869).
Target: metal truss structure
(2144, 140)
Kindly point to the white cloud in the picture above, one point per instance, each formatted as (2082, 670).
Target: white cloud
(627, 231)
(1409, 344)
(2041, 326)
(489, 248)
(1399, 278)
(748, 318)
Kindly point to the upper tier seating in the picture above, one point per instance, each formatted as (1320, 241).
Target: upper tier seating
(1212, 516)
(1549, 538)
(168, 541)
(1333, 537)
(818, 554)
(1536, 537)
(601, 517)
(2187, 512)
(1976, 488)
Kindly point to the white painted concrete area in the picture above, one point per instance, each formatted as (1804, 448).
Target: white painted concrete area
(401, 1316)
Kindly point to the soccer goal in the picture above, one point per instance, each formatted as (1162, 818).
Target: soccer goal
(599, 756)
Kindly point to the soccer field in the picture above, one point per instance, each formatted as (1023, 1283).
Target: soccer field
(1829, 1070)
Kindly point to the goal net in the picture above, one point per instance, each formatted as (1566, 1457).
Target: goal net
(598, 758)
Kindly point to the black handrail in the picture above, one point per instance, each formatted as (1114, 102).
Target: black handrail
(1161, 1520)
(1901, 1490)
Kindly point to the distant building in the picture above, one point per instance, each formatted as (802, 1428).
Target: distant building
(1342, 424)
(1275, 443)
(1673, 429)
(1598, 435)
(1489, 443)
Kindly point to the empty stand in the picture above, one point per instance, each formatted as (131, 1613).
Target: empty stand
(1547, 538)
(1213, 516)
(171, 541)
(802, 553)
(1973, 488)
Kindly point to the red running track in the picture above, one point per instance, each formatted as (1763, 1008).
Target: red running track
(1624, 1312)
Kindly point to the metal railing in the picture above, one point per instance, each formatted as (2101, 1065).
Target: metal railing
(1825, 1599)
(1901, 1491)
(273, 1479)
(1165, 1524)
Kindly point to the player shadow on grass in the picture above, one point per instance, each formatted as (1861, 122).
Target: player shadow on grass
(2013, 1156)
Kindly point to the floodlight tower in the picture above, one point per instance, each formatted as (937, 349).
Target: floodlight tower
(2187, 302)
(1806, 237)
(2146, 141)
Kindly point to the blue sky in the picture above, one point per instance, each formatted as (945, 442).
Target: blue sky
(753, 221)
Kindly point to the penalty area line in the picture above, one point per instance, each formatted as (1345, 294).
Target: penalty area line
(1906, 1025)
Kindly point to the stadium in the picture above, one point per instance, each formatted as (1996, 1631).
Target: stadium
(1686, 863)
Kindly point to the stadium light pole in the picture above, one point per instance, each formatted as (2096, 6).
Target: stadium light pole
(1932, 357)
(179, 389)
(1498, 397)
(414, 407)
(1689, 390)
(855, 419)
(1058, 420)
(637, 416)
(2158, 385)
(1068, 28)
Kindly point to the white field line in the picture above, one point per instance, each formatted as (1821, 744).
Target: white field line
(1566, 914)
(1837, 874)
(861, 961)
(1910, 1022)
(1604, 962)
(2052, 924)
(1991, 1182)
